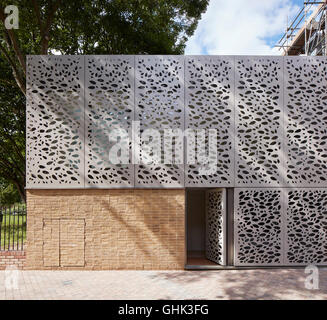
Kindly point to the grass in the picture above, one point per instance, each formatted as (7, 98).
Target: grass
(13, 230)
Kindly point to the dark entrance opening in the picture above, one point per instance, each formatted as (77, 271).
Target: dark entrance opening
(209, 232)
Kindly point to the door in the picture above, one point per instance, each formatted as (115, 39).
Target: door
(215, 249)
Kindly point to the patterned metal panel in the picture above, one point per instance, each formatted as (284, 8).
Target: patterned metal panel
(216, 226)
(306, 226)
(209, 99)
(259, 121)
(258, 226)
(109, 85)
(305, 100)
(55, 122)
(159, 104)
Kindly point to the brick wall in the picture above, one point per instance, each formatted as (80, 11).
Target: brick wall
(12, 258)
(105, 229)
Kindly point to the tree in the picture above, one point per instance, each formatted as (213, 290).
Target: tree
(80, 27)
(12, 132)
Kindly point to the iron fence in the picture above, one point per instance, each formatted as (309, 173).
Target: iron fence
(12, 227)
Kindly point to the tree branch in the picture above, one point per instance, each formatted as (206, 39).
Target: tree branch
(38, 15)
(47, 27)
(21, 190)
(19, 80)
(16, 147)
(5, 174)
(8, 82)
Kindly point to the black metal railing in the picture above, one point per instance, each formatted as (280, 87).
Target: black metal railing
(12, 227)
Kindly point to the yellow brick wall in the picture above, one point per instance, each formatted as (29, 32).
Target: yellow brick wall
(122, 229)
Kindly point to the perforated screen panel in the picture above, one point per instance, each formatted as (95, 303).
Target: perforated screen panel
(159, 104)
(259, 121)
(258, 226)
(55, 122)
(109, 106)
(209, 104)
(215, 249)
(305, 103)
(280, 226)
(305, 226)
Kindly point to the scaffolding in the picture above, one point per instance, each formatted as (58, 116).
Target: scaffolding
(307, 33)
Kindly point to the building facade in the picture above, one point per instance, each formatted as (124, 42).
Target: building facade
(167, 162)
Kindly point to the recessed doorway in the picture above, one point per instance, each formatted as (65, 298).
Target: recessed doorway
(206, 227)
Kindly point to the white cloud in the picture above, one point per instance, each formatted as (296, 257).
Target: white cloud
(241, 27)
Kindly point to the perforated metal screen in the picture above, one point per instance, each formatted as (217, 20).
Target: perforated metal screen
(55, 122)
(280, 226)
(269, 114)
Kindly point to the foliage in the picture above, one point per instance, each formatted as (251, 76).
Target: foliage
(12, 138)
(8, 194)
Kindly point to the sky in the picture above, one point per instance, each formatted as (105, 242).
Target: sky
(242, 27)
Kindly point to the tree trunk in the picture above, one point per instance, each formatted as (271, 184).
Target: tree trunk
(21, 190)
